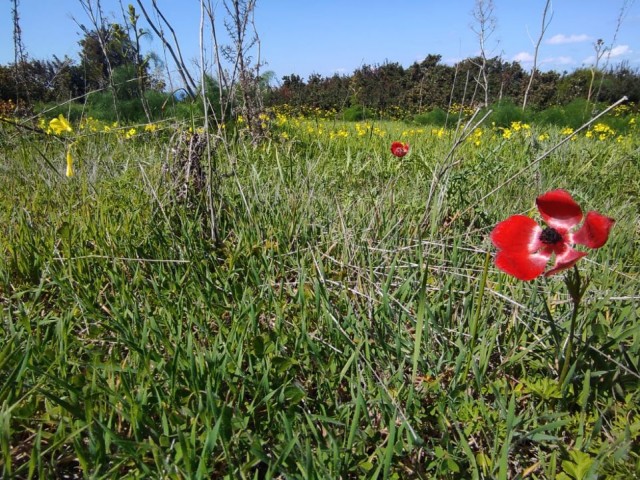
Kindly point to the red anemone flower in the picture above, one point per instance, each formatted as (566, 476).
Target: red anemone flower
(524, 248)
(399, 149)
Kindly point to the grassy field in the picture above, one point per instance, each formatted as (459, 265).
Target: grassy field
(349, 322)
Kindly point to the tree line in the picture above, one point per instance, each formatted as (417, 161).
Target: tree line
(111, 66)
(431, 84)
(114, 71)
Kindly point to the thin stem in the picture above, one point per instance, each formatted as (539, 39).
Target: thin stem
(569, 349)
(473, 327)
(575, 291)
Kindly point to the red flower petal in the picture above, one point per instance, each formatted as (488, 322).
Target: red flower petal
(594, 232)
(522, 265)
(565, 260)
(399, 149)
(517, 233)
(559, 209)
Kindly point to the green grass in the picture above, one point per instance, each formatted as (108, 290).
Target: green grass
(340, 329)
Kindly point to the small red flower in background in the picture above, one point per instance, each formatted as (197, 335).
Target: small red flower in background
(524, 248)
(399, 149)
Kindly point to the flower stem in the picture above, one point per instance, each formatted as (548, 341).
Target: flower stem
(573, 283)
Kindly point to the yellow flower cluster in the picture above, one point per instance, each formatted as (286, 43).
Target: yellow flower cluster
(623, 109)
(600, 131)
(412, 132)
(438, 132)
(340, 133)
(525, 128)
(466, 110)
(476, 137)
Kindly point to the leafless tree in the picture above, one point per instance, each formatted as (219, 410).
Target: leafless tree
(600, 49)
(238, 63)
(484, 26)
(534, 69)
(19, 55)
(624, 10)
(172, 45)
(95, 14)
(139, 63)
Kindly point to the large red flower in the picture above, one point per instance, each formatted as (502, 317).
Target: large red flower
(524, 248)
(399, 149)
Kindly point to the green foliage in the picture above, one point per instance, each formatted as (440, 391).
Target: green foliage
(552, 116)
(577, 113)
(357, 113)
(506, 112)
(103, 51)
(340, 329)
(72, 111)
(436, 117)
(430, 84)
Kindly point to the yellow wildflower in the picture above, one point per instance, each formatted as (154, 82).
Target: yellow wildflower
(60, 125)
(438, 132)
(69, 162)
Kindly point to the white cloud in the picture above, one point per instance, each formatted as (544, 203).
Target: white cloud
(562, 60)
(613, 53)
(619, 50)
(523, 57)
(561, 39)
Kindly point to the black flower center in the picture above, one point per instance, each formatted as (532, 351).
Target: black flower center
(550, 236)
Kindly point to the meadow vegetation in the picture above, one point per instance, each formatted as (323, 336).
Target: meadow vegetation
(347, 322)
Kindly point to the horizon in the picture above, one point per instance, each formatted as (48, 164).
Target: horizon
(326, 30)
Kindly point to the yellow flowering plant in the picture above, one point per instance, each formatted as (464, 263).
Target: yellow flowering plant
(60, 125)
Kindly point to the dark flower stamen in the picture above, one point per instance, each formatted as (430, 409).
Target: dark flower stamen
(550, 236)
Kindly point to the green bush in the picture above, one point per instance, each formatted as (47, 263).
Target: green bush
(551, 116)
(506, 112)
(100, 106)
(437, 117)
(357, 113)
(73, 111)
(577, 113)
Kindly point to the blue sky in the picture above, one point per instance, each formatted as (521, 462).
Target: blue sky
(338, 36)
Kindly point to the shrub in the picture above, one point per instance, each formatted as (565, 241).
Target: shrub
(506, 112)
(437, 117)
(356, 113)
(72, 111)
(577, 112)
(551, 116)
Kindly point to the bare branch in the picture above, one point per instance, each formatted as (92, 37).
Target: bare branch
(534, 68)
(189, 83)
(485, 25)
